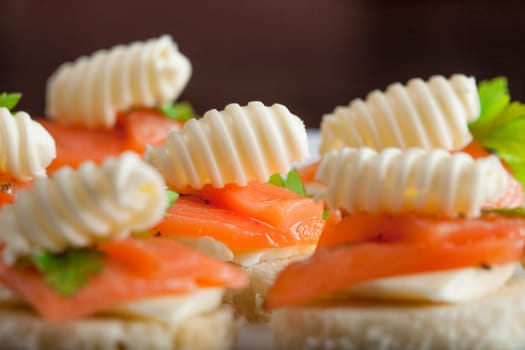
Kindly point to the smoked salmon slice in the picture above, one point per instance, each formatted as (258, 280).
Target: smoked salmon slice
(133, 131)
(192, 217)
(279, 207)
(427, 229)
(334, 268)
(307, 172)
(146, 127)
(248, 218)
(365, 247)
(177, 269)
(76, 144)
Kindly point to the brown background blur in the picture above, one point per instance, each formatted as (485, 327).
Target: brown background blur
(308, 55)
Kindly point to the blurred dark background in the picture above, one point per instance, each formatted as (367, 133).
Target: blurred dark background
(309, 55)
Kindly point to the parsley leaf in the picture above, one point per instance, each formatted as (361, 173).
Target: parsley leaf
(292, 181)
(142, 234)
(493, 96)
(277, 180)
(518, 211)
(501, 125)
(172, 197)
(9, 101)
(181, 111)
(69, 271)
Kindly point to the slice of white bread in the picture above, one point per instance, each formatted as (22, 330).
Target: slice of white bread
(22, 329)
(496, 321)
(249, 302)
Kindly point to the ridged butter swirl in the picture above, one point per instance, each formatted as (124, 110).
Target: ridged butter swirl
(90, 91)
(81, 208)
(431, 114)
(26, 148)
(236, 145)
(415, 180)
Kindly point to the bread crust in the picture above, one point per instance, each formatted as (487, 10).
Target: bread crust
(249, 302)
(496, 321)
(22, 329)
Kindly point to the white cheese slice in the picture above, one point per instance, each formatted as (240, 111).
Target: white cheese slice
(457, 285)
(221, 251)
(172, 309)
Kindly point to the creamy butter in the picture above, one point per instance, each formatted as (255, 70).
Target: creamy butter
(83, 207)
(431, 114)
(218, 250)
(26, 148)
(414, 180)
(236, 145)
(443, 286)
(90, 91)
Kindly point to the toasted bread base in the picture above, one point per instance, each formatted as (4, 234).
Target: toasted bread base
(249, 302)
(496, 321)
(22, 329)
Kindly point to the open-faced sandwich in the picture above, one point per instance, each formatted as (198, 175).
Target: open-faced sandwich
(116, 100)
(220, 165)
(451, 114)
(78, 273)
(425, 248)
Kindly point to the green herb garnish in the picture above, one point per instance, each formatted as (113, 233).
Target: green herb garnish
(142, 234)
(292, 181)
(9, 101)
(518, 211)
(69, 271)
(172, 197)
(181, 111)
(277, 180)
(501, 125)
